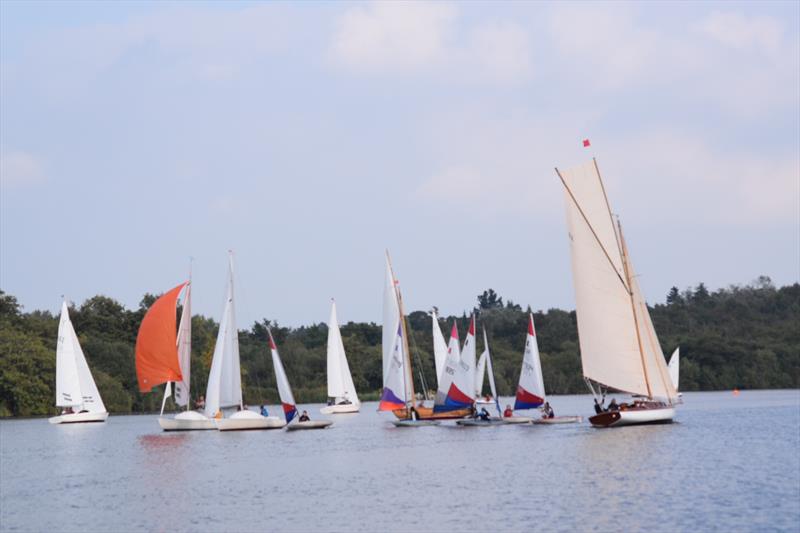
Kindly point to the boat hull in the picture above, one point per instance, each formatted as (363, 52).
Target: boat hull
(517, 420)
(415, 423)
(248, 420)
(559, 420)
(309, 424)
(473, 422)
(78, 418)
(634, 416)
(186, 421)
(426, 413)
(340, 409)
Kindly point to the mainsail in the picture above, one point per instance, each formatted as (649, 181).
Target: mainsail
(75, 386)
(284, 390)
(619, 347)
(480, 373)
(182, 390)
(225, 379)
(398, 388)
(486, 356)
(456, 383)
(468, 354)
(530, 391)
(439, 346)
(340, 381)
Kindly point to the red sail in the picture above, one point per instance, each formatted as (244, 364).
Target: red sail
(156, 345)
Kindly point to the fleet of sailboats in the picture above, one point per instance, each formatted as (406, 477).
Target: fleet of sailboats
(76, 391)
(618, 344)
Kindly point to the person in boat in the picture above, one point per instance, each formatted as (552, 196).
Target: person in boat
(304, 417)
(200, 403)
(264, 411)
(487, 398)
(613, 406)
(218, 415)
(508, 413)
(67, 411)
(414, 413)
(484, 414)
(547, 411)
(345, 402)
(598, 407)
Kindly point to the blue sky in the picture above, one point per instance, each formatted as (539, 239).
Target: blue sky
(310, 137)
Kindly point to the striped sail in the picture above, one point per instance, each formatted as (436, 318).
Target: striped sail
(530, 391)
(456, 384)
(284, 390)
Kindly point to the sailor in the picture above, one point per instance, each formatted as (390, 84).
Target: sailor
(547, 411)
(200, 403)
(304, 417)
(508, 413)
(264, 411)
(613, 405)
(598, 407)
(484, 414)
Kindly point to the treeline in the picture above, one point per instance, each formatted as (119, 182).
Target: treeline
(741, 336)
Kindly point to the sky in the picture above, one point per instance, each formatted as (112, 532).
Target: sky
(310, 137)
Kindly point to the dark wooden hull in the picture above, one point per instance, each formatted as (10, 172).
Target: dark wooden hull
(426, 413)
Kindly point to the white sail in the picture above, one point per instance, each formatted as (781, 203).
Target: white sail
(340, 381)
(68, 389)
(480, 373)
(531, 382)
(675, 367)
(486, 356)
(224, 380)
(185, 350)
(610, 324)
(468, 354)
(456, 385)
(284, 389)
(397, 385)
(439, 346)
(75, 386)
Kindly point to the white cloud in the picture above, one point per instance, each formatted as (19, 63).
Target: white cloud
(18, 168)
(393, 36)
(761, 33)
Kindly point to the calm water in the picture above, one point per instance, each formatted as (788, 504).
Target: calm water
(730, 463)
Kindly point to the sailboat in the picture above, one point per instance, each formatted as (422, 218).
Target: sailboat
(619, 346)
(285, 393)
(76, 392)
(486, 358)
(397, 395)
(342, 395)
(225, 377)
(162, 356)
(675, 368)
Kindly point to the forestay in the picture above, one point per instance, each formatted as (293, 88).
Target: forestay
(340, 381)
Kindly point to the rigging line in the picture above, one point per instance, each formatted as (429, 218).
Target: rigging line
(419, 363)
(608, 205)
(591, 228)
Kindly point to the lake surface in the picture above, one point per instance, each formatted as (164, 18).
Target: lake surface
(729, 463)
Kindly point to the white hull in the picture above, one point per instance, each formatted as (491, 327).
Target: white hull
(186, 421)
(631, 417)
(340, 409)
(78, 418)
(414, 423)
(244, 420)
(517, 420)
(479, 422)
(559, 420)
(310, 424)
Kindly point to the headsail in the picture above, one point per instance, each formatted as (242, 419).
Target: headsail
(488, 358)
(439, 346)
(456, 383)
(225, 379)
(157, 359)
(340, 381)
(675, 367)
(480, 373)
(530, 391)
(284, 390)
(468, 354)
(619, 348)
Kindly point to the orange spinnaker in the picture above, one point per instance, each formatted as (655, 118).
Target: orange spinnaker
(156, 344)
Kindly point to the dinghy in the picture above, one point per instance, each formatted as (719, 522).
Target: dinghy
(477, 422)
(486, 357)
(618, 343)
(415, 423)
(287, 398)
(398, 395)
(225, 379)
(557, 420)
(162, 356)
(76, 392)
(341, 391)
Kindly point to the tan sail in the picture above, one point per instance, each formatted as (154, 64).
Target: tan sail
(619, 347)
